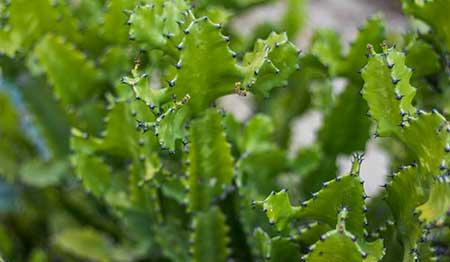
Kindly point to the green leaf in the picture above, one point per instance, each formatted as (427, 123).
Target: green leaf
(159, 24)
(210, 162)
(195, 91)
(307, 160)
(283, 250)
(115, 63)
(218, 15)
(173, 127)
(258, 134)
(372, 32)
(346, 191)
(270, 64)
(426, 135)
(262, 240)
(309, 233)
(28, 21)
(326, 46)
(438, 203)
(95, 174)
(84, 243)
(209, 239)
(294, 17)
(258, 171)
(394, 249)
(423, 58)
(40, 174)
(205, 48)
(296, 98)
(404, 194)
(435, 14)
(38, 255)
(95, 159)
(90, 244)
(387, 90)
(346, 128)
(341, 245)
(174, 240)
(279, 210)
(389, 95)
(120, 121)
(114, 19)
(261, 160)
(140, 84)
(73, 76)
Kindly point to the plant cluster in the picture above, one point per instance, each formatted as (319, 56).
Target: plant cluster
(113, 146)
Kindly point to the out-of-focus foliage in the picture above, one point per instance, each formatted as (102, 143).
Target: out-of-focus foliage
(113, 148)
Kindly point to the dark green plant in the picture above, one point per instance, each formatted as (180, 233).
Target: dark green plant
(113, 148)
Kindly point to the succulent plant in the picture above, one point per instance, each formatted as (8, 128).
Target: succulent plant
(113, 145)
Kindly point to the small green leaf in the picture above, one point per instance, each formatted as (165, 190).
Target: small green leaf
(438, 203)
(270, 64)
(427, 136)
(140, 84)
(435, 14)
(38, 255)
(372, 32)
(341, 245)
(262, 240)
(346, 191)
(73, 76)
(404, 194)
(158, 24)
(90, 244)
(283, 250)
(279, 210)
(294, 17)
(423, 58)
(387, 90)
(326, 46)
(346, 128)
(28, 21)
(39, 174)
(307, 160)
(95, 174)
(115, 63)
(114, 19)
(174, 240)
(309, 233)
(210, 236)
(210, 161)
(204, 47)
(258, 134)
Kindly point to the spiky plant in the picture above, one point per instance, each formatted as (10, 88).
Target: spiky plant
(113, 147)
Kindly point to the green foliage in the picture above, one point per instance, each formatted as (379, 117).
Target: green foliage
(112, 147)
(57, 58)
(270, 64)
(158, 25)
(210, 163)
(433, 13)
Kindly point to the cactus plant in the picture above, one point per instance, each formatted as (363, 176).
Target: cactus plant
(114, 146)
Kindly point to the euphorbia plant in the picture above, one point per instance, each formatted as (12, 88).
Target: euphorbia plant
(114, 147)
